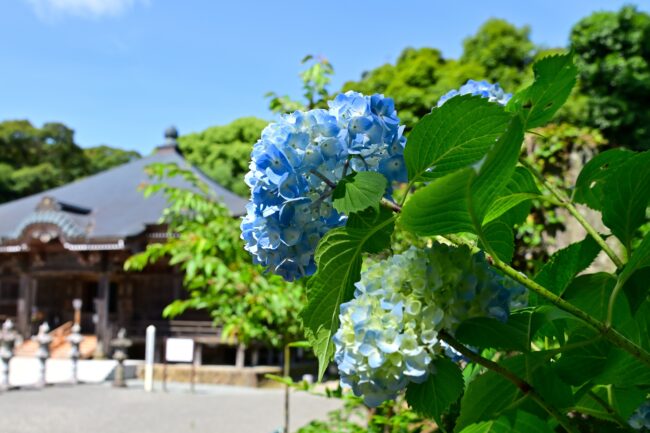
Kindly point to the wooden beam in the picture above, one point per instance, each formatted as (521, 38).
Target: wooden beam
(101, 305)
(26, 295)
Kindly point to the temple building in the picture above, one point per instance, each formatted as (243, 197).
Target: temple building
(71, 242)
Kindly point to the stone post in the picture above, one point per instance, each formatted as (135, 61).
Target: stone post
(7, 338)
(149, 352)
(43, 339)
(120, 344)
(75, 339)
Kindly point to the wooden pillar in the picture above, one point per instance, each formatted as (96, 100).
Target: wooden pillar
(26, 295)
(178, 287)
(101, 305)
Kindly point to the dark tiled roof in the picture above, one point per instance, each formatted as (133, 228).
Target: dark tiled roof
(117, 207)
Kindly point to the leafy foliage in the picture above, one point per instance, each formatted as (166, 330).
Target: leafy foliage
(614, 61)
(314, 82)
(34, 159)
(222, 152)
(580, 332)
(204, 242)
(433, 397)
(498, 52)
(358, 192)
(338, 258)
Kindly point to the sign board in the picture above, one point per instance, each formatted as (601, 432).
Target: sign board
(179, 350)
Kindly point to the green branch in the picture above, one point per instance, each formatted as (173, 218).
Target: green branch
(609, 333)
(566, 203)
(525, 387)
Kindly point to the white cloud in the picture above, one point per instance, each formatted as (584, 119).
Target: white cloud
(83, 8)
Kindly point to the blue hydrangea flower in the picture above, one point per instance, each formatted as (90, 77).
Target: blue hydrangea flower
(296, 162)
(388, 334)
(493, 92)
(640, 419)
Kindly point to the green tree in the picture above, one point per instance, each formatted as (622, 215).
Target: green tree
(613, 56)
(222, 152)
(34, 159)
(498, 52)
(219, 276)
(103, 157)
(314, 83)
(502, 50)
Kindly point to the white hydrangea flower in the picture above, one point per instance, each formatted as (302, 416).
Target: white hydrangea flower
(388, 334)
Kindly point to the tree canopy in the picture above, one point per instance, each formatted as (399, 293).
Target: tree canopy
(613, 50)
(222, 152)
(498, 52)
(34, 159)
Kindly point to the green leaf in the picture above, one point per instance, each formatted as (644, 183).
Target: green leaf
(440, 207)
(500, 425)
(359, 191)
(589, 185)
(555, 77)
(495, 171)
(627, 192)
(485, 397)
(507, 202)
(521, 184)
(484, 332)
(580, 364)
(433, 397)
(624, 400)
(338, 257)
(453, 136)
(623, 369)
(639, 259)
(529, 423)
(551, 387)
(636, 288)
(565, 264)
(591, 294)
(458, 202)
(501, 239)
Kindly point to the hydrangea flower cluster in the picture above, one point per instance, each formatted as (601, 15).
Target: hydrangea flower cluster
(640, 419)
(294, 166)
(388, 334)
(493, 92)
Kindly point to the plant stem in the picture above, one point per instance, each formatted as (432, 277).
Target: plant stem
(324, 178)
(605, 329)
(612, 301)
(390, 205)
(285, 372)
(609, 333)
(524, 387)
(566, 203)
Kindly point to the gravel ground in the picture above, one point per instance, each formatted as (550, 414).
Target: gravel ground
(104, 409)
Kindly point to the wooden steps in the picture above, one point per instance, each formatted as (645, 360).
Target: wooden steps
(60, 347)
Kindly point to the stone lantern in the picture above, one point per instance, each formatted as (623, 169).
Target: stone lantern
(7, 339)
(43, 339)
(121, 345)
(75, 339)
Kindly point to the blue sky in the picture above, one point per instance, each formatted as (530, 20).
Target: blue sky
(120, 71)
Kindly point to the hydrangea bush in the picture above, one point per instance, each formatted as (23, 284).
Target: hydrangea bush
(296, 162)
(470, 341)
(388, 334)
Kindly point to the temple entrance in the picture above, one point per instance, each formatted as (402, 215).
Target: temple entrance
(53, 302)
